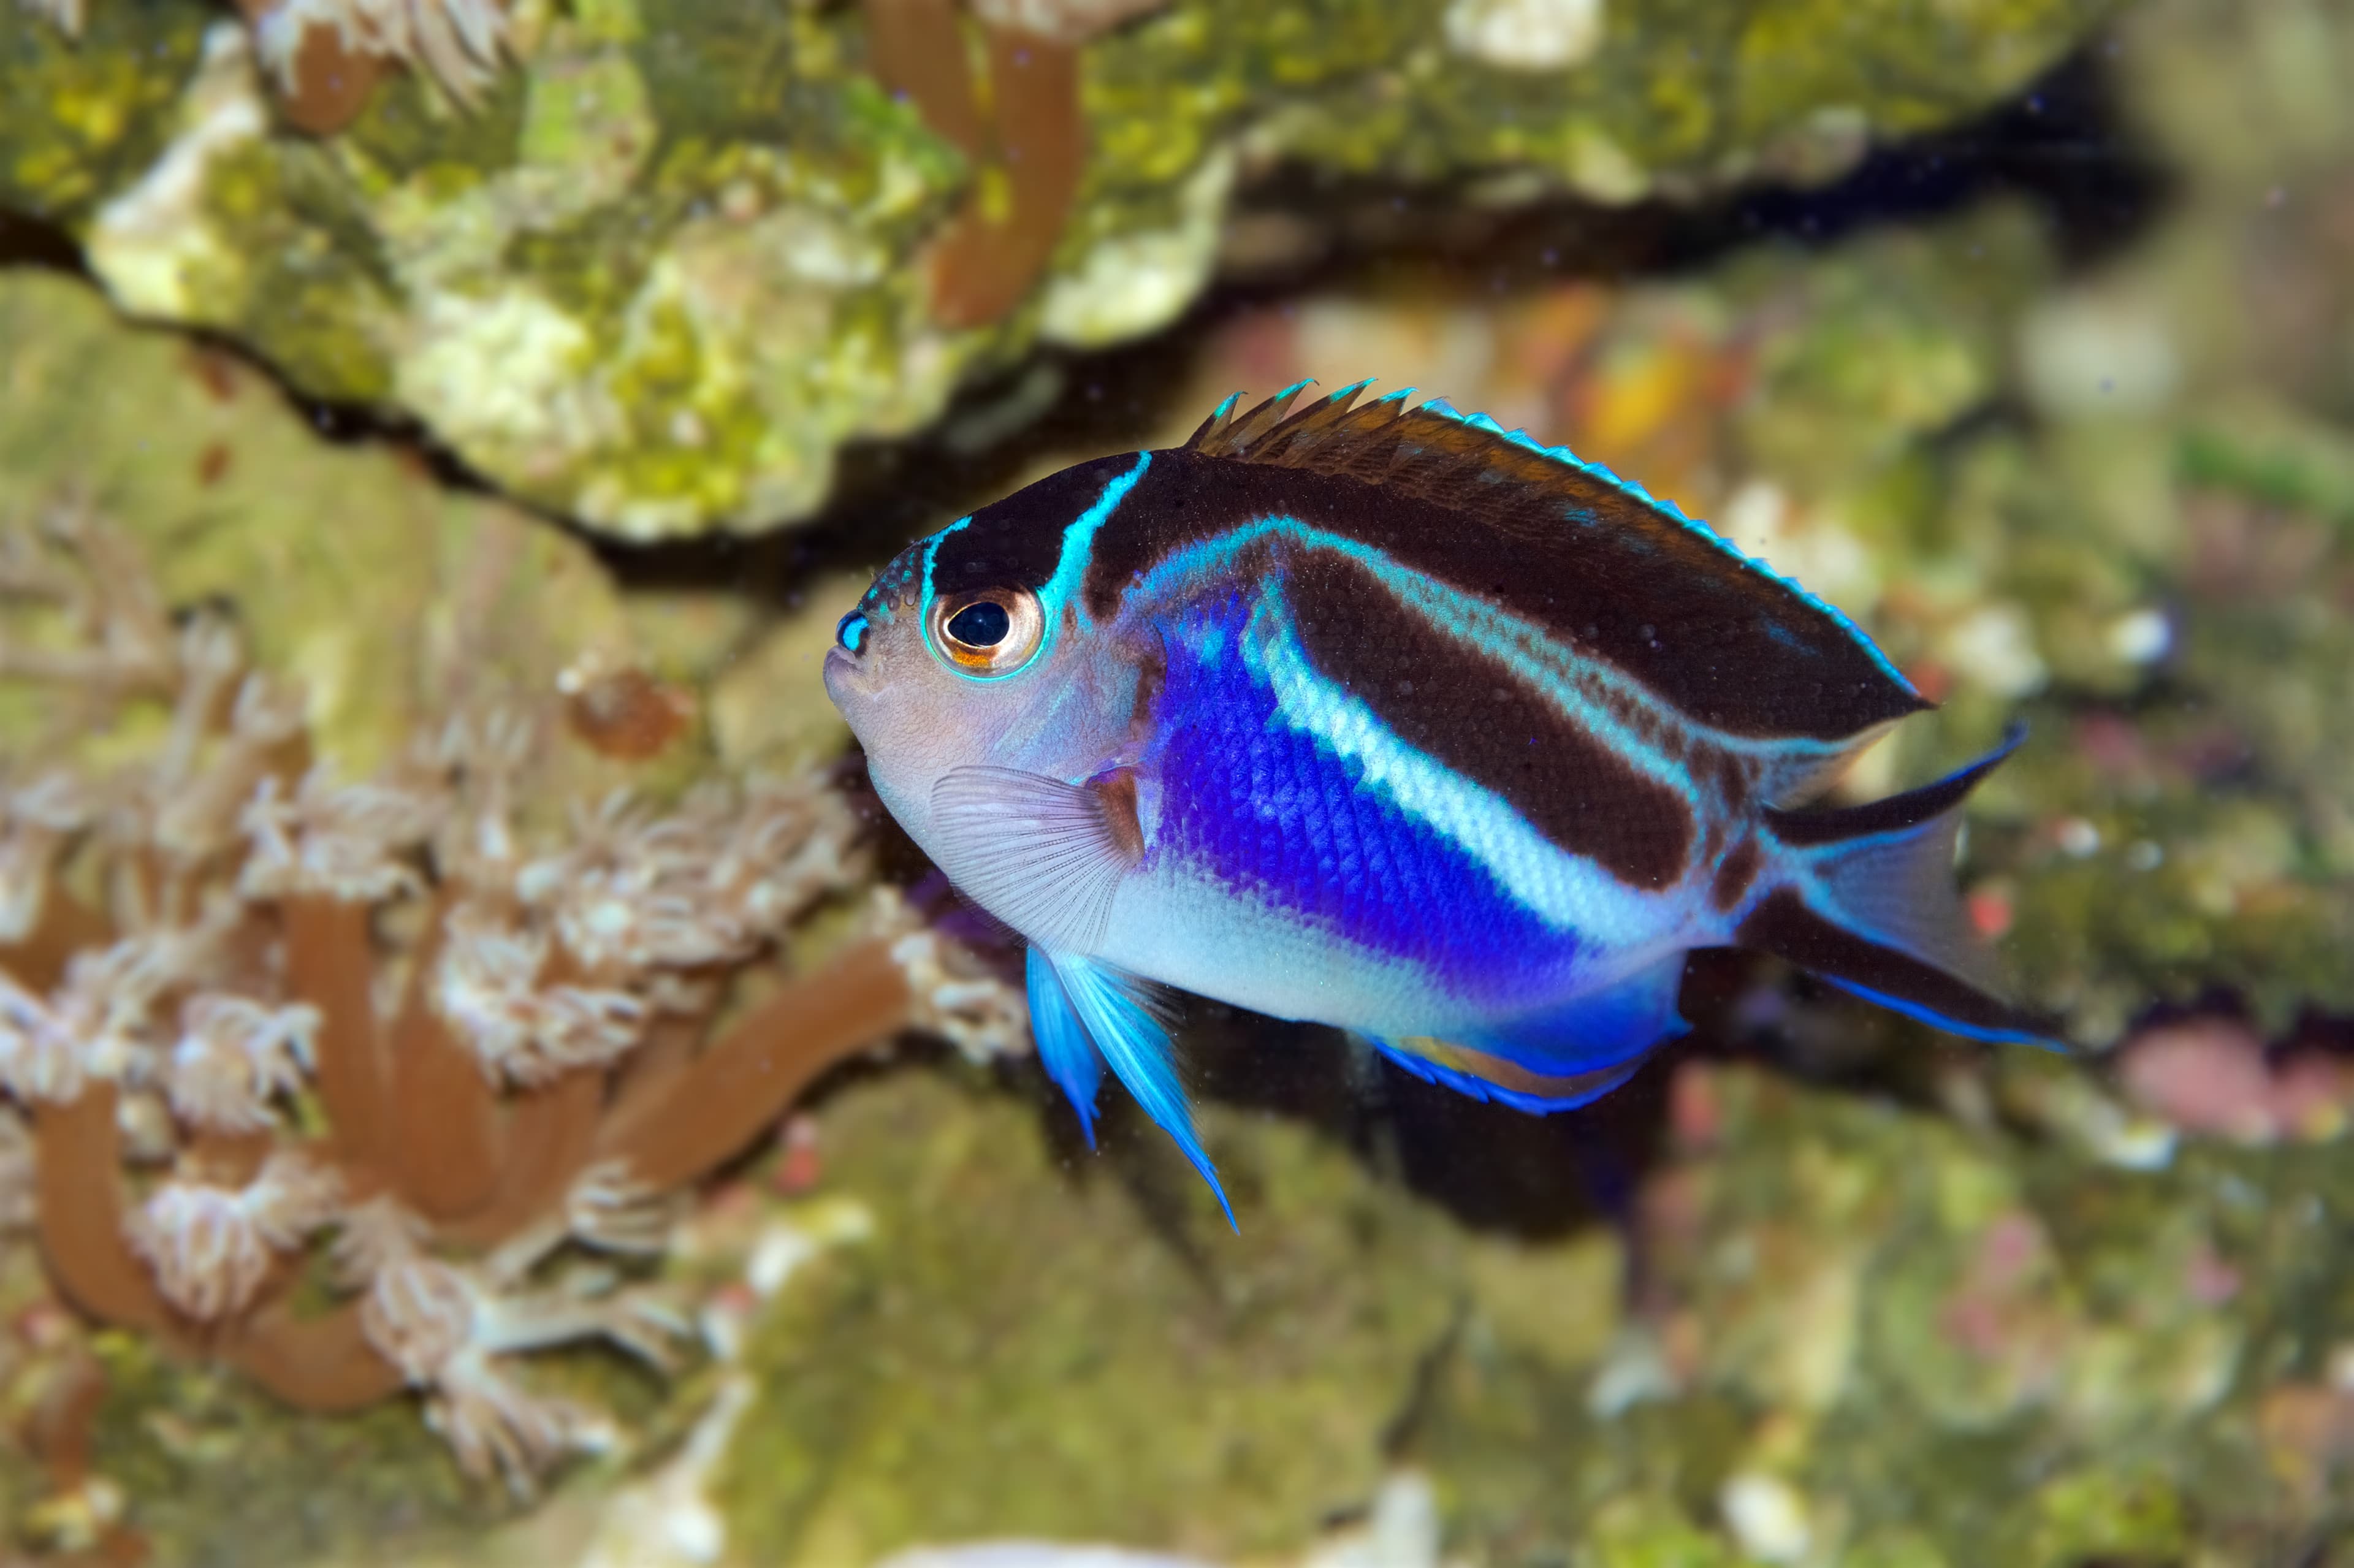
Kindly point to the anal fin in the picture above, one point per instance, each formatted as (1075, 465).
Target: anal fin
(1483, 1076)
(1566, 1057)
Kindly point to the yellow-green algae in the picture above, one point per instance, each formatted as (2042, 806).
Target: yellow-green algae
(690, 238)
(1957, 1348)
(350, 568)
(1035, 1342)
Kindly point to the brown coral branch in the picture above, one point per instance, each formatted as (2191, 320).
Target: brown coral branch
(445, 1131)
(743, 1083)
(645, 1078)
(66, 925)
(79, 1184)
(329, 965)
(551, 1134)
(323, 1364)
(916, 49)
(990, 258)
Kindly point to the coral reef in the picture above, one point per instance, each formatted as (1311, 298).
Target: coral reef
(679, 255)
(243, 1005)
(1872, 1334)
(1033, 1347)
(322, 54)
(1857, 1331)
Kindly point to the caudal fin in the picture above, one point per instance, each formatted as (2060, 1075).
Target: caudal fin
(1872, 908)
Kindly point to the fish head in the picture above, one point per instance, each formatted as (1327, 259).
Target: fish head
(974, 648)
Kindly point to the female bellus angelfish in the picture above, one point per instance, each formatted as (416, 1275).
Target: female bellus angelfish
(1383, 718)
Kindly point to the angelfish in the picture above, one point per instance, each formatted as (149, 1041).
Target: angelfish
(1382, 716)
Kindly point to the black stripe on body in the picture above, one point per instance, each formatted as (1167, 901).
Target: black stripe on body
(1473, 714)
(1782, 923)
(1609, 576)
(1736, 874)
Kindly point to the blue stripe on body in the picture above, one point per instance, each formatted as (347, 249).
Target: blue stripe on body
(1078, 541)
(931, 551)
(1277, 812)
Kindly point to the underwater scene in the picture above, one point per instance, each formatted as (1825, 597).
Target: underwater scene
(1177, 783)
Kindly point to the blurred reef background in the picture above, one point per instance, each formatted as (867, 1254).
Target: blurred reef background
(480, 1084)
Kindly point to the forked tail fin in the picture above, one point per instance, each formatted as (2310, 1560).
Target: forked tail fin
(1871, 907)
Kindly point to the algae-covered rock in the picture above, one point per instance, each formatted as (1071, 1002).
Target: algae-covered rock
(352, 569)
(1038, 1343)
(1873, 1336)
(682, 253)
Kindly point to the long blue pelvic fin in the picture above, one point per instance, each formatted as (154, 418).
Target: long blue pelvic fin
(1107, 1005)
(1064, 1048)
(1565, 1057)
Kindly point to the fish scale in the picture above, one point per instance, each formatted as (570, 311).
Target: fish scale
(1382, 716)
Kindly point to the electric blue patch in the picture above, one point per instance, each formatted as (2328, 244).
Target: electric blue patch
(1624, 1022)
(852, 631)
(1628, 487)
(1276, 814)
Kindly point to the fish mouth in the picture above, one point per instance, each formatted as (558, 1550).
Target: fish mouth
(848, 680)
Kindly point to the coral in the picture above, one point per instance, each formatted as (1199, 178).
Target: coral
(257, 1016)
(458, 42)
(1853, 1321)
(679, 255)
(1030, 144)
(1027, 1350)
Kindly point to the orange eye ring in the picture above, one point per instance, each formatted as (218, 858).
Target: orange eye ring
(986, 632)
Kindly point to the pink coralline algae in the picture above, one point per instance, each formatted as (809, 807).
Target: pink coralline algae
(394, 1040)
(2214, 1076)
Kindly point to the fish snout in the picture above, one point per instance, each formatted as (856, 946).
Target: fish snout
(847, 680)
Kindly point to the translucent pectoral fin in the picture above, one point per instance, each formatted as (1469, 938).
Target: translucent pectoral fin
(1559, 1059)
(1041, 855)
(1106, 1007)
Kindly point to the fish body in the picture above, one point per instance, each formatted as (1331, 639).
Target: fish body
(1380, 716)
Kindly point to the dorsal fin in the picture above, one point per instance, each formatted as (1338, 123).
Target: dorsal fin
(1436, 453)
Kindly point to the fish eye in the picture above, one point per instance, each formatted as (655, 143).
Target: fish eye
(983, 623)
(991, 631)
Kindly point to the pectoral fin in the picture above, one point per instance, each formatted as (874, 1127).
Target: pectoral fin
(1041, 855)
(1085, 1013)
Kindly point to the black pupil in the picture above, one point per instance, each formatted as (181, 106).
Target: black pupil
(981, 624)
